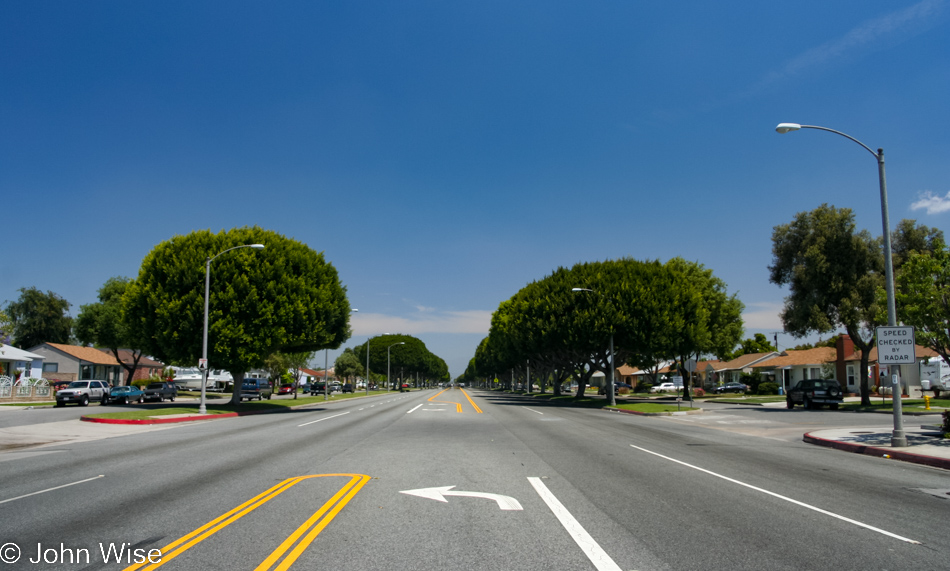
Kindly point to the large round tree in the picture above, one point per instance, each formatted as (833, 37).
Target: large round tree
(285, 298)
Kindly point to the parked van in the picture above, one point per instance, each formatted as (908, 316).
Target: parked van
(256, 389)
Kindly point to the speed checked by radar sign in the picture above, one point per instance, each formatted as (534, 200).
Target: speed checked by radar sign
(895, 345)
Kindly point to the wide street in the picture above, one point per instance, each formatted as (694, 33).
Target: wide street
(470, 479)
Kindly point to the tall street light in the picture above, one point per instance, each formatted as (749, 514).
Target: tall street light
(204, 341)
(897, 437)
(612, 399)
(388, 379)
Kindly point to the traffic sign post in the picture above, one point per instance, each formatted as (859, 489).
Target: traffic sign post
(896, 346)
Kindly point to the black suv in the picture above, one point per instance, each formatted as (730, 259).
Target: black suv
(810, 393)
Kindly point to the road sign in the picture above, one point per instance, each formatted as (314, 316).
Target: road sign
(895, 345)
(202, 364)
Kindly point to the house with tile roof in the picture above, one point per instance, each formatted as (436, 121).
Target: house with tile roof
(63, 362)
(849, 366)
(732, 371)
(791, 366)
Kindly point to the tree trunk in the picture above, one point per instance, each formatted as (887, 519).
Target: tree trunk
(238, 385)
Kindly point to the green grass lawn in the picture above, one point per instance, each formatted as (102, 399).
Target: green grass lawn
(752, 399)
(146, 412)
(907, 405)
(654, 407)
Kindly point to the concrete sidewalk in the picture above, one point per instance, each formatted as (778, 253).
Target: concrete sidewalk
(926, 444)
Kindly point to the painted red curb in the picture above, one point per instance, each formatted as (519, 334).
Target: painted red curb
(178, 419)
(923, 459)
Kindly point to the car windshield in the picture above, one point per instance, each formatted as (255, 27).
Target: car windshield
(120, 389)
(78, 384)
(155, 386)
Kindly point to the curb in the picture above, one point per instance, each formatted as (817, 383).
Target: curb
(640, 413)
(888, 453)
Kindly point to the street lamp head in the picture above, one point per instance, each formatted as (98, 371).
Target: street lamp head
(576, 289)
(256, 246)
(786, 127)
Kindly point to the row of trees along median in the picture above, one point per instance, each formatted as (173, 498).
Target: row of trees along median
(655, 311)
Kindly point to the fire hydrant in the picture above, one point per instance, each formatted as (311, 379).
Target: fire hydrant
(926, 402)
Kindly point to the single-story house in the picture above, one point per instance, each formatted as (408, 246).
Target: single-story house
(848, 363)
(73, 363)
(14, 360)
(789, 367)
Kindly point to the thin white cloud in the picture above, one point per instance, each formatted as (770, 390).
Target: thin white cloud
(428, 321)
(870, 36)
(932, 203)
(764, 315)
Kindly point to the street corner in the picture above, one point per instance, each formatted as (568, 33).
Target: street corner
(926, 445)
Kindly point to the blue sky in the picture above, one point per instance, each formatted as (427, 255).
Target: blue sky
(444, 154)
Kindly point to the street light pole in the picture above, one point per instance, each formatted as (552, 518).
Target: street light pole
(202, 409)
(898, 438)
(611, 397)
(388, 379)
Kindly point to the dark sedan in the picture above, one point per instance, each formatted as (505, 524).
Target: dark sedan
(732, 388)
(124, 395)
(617, 387)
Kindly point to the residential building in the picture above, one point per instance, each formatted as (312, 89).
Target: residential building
(73, 363)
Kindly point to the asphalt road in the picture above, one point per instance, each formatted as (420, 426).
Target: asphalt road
(525, 486)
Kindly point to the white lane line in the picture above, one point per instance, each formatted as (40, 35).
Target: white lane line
(532, 410)
(591, 548)
(417, 406)
(51, 489)
(786, 498)
(322, 419)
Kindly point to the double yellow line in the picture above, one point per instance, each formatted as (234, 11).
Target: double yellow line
(296, 543)
(458, 405)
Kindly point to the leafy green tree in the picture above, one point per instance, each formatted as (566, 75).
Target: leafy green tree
(758, 343)
(923, 299)
(407, 356)
(348, 365)
(833, 273)
(39, 317)
(100, 324)
(286, 367)
(909, 238)
(6, 326)
(284, 298)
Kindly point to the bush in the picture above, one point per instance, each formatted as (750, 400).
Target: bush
(767, 389)
(623, 391)
(643, 387)
(699, 393)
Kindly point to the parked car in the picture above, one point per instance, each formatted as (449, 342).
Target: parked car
(815, 392)
(285, 389)
(617, 387)
(160, 391)
(347, 388)
(319, 388)
(124, 395)
(256, 389)
(82, 392)
(732, 388)
(664, 387)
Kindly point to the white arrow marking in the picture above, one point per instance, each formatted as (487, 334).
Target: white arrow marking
(438, 494)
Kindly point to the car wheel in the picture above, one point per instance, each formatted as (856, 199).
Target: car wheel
(807, 404)
(172, 399)
(141, 400)
(58, 403)
(269, 396)
(84, 401)
(161, 398)
(789, 403)
(104, 401)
